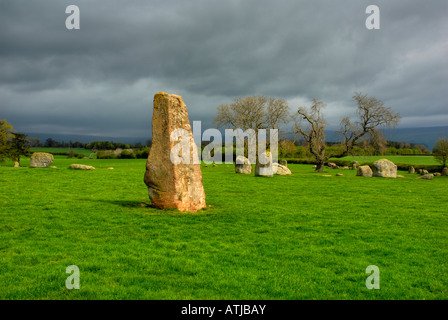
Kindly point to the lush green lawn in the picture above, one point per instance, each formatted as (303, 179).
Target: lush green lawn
(305, 236)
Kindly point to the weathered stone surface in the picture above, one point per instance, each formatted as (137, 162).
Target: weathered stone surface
(332, 165)
(426, 177)
(338, 174)
(281, 169)
(437, 174)
(16, 164)
(173, 185)
(263, 165)
(243, 165)
(384, 168)
(81, 167)
(411, 170)
(445, 172)
(41, 160)
(399, 176)
(283, 163)
(424, 171)
(364, 171)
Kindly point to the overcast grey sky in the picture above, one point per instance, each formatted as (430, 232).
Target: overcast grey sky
(101, 79)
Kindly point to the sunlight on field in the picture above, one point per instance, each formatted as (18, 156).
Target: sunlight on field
(305, 236)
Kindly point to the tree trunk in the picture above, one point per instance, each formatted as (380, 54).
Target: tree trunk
(320, 166)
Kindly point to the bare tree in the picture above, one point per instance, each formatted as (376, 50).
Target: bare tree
(254, 112)
(372, 115)
(277, 113)
(313, 131)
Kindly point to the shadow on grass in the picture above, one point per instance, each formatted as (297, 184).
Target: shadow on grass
(129, 203)
(148, 205)
(123, 203)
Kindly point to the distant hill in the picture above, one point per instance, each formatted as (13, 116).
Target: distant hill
(426, 136)
(86, 138)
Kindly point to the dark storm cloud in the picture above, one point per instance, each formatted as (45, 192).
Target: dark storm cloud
(101, 78)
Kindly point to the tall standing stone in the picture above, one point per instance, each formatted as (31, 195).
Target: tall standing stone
(172, 185)
(411, 170)
(445, 171)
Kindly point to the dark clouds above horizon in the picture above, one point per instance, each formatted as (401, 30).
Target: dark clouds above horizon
(101, 79)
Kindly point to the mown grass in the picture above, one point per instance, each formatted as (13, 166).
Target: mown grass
(305, 236)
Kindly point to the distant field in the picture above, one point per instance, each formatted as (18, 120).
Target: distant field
(417, 160)
(306, 236)
(422, 160)
(77, 150)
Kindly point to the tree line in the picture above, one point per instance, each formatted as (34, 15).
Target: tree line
(94, 145)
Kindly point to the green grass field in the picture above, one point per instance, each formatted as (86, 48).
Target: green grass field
(416, 160)
(83, 151)
(305, 236)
